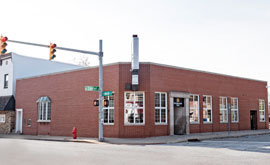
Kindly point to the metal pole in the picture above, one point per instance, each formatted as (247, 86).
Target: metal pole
(58, 48)
(100, 129)
(229, 117)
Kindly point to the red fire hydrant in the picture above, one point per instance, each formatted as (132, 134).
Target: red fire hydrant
(74, 132)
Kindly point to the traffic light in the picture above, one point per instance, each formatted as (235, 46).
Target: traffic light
(52, 51)
(96, 103)
(105, 103)
(3, 44)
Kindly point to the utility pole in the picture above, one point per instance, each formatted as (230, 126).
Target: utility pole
(100, 125)
(100, 57)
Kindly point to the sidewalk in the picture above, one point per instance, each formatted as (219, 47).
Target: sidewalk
(143, 141)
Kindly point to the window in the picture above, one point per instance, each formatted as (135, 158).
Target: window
(134, 107)
(160, 108)
(234, 109)
(223, 109)
(6, 81)
(207, 109)
(2, 118)
(44, 109)
(262, 110)
(194, 109)
(109, 111)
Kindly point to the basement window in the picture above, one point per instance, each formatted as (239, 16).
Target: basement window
(109, 111)
(134, 108)
(44, 109)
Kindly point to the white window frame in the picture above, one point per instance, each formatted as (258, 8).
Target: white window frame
(6, 77)
(262, 110)
(237, 110)
(226, 109)
(206, 109)
(195, 122)
(134, 92)
(109, 108)
(2, 118)
(41, 111)
(160, 108)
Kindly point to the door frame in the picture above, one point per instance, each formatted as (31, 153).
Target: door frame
(256, 119)
(186, 96)
(19, 120)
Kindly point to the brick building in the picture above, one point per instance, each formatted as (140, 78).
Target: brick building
(169, 100)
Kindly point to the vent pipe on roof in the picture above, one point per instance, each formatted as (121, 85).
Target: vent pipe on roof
(135, 63)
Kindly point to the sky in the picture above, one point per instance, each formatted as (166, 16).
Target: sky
(222, 36)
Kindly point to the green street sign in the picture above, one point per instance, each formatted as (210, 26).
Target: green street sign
(107, 93)
(91, 88)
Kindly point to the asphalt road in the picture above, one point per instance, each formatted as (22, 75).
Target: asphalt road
(245, 150)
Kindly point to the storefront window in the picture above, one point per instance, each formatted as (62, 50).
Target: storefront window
(134, 107)
(207, 109)
(194, 109)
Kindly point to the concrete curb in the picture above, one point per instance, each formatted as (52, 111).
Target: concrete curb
(141, 141)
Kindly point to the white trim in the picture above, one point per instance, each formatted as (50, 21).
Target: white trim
(195, 122)
(3, 116)
(225, 110)
(109, 109)
(262, 121)
(43, 121)
(205, 122)
(134, 124)
(235, 110)
(160, 108)
(19, 120)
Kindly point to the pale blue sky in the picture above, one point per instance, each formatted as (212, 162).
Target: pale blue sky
(224, 36)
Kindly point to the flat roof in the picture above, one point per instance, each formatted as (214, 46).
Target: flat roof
(150, 63)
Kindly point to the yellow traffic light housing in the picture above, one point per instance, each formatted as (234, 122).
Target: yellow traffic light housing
(3, 45)
(96, 103)
(52, 51)
(105, 103)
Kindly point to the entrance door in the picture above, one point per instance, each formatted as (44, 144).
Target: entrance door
(19, 115)
(179, 120)
(253, 120)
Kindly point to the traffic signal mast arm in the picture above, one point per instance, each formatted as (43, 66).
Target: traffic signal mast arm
(59, 48)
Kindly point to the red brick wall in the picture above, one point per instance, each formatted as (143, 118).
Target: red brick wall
(165, 79)
(72, 106)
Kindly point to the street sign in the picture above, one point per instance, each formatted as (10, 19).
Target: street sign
(91, 88)
(107, 93)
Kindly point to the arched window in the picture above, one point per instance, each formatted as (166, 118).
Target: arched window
(44, 109)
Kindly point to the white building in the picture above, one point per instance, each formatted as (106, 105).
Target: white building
(13, 67)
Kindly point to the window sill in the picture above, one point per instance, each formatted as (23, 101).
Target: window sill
(194, 123)
(235, 122)
(207, 122)
(108, 123)
(262, 121)
(225, 122)
(135, 124)
(161, 123)
(44, 121)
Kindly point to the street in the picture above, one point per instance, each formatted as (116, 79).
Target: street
(244, 150)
